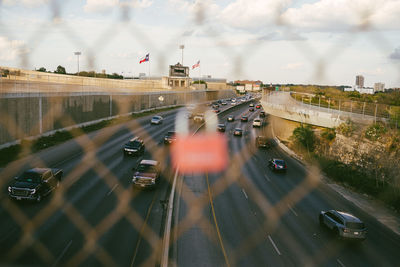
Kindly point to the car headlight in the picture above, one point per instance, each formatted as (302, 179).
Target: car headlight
(9, 189)
(153, 180)
(33, 191)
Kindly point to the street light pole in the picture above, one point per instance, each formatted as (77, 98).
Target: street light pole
(78, 54)
(182, 47)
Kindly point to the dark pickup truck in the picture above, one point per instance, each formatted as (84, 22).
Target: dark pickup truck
(35, 183)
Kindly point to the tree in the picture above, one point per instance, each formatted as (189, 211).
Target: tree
(304, 135)
(60, 70)
(42, 69)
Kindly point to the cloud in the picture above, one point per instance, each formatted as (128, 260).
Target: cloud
(374, 72)
(278, 36)
(27, 3)
(395, 54)
(293, 66)
(334, 15)
(247, 14)
(11, 49)
(101, 6)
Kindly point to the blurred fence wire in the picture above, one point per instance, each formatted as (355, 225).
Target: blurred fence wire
(31, 225)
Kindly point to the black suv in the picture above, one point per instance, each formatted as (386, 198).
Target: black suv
(35, 183)
(134, 147)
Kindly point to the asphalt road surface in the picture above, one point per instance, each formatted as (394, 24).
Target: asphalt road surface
(245, 216)
(251, 216)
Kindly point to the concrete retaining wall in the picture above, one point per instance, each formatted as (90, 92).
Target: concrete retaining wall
(31, 114)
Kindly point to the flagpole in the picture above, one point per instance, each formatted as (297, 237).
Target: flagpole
(149, 68)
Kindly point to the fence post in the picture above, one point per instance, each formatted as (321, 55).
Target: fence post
(376, 108)
(340, 101)
(329, 104)
(40, 115)
(351, 106)
(364, 109)
(111, 105)
(319, 102)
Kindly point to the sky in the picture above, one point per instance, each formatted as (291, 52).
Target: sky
(326, 42)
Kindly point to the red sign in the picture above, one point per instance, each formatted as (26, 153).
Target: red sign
(200, 153)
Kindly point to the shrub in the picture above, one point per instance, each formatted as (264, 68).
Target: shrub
(346, 128)
(328, 134)
(375, 131)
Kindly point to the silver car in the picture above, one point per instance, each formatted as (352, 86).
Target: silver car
(344, 225)
(156, 120)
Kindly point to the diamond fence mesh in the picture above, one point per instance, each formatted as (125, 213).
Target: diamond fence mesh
(28, 223)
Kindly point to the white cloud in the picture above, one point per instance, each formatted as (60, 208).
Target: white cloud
(10, 49)
(28, 3)
(293, 66)
(100, 6)
(331, 15)
(253, 13)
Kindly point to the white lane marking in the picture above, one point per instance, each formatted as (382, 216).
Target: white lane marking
(115, 186)
(340, 263)
(292, 210)
(62, 253)
(266, 177)
(273, 244)
(244, 192)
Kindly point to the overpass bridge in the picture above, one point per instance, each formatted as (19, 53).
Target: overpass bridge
(283, 105)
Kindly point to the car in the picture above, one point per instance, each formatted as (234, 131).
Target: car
(156, 120)
(146, 174)
(34, 184)
(223, 103)
(251, 109)
(216, 110)
(221, 127)
(134, 147)
(245, 118)
(215, 106)
(170, 137)
(230, 118)
(238, 132)
(277, 165)
(251, 105)
(343, 224)
(258, 106)
(263, 142)
(262, 114)
(199, 117)
(257, 122)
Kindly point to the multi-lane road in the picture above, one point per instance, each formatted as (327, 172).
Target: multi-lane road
(244, 216)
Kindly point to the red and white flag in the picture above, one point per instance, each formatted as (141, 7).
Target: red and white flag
(145, 59)
(196, 65)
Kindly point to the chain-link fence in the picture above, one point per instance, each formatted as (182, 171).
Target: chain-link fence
(75, 227)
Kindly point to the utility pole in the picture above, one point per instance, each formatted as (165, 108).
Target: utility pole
(182, 47)
(78, 54)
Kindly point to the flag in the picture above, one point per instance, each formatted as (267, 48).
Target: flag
(146, 58)
(196, 65)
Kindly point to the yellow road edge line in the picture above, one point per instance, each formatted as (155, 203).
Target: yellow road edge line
(216, 223)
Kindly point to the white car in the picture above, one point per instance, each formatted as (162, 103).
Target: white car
(156, 120)
(257, 122)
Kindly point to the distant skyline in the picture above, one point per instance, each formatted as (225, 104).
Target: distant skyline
(327, 42)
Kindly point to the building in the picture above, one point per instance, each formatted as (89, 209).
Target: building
(178, 77)
(379, 87)
(360, 81)
(249, 85)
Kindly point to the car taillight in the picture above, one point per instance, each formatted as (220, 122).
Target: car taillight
(285, 166)
(276, 166)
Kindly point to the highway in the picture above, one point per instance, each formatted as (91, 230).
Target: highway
(244, 216)
(251, 216)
